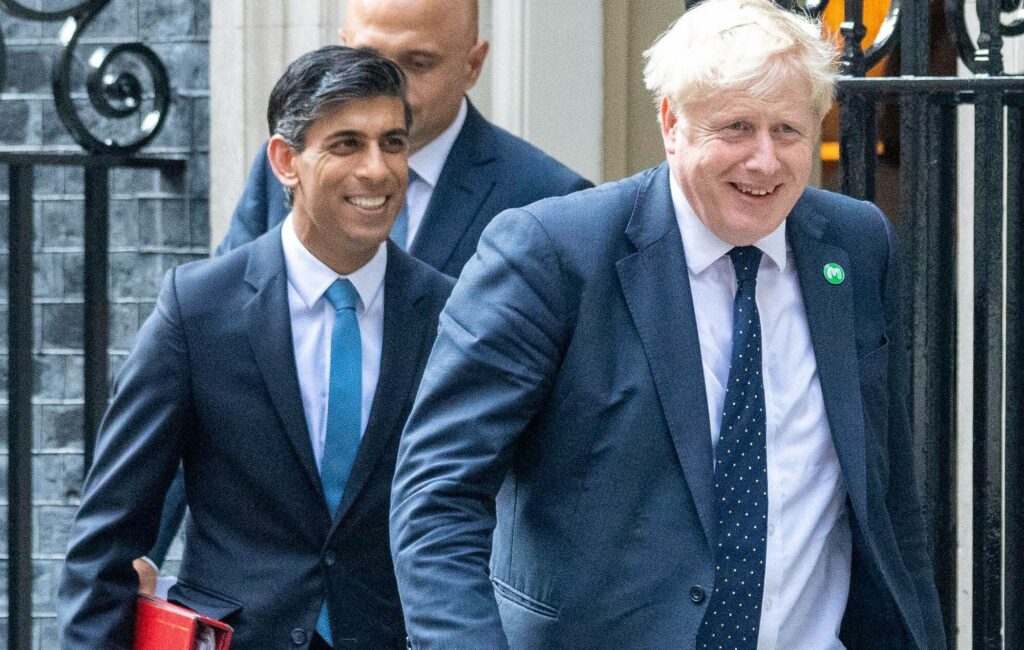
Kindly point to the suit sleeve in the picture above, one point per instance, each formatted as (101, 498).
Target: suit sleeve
(904, 503)
(578, 184)
(137, 452)
(498, 348)
(262, 206)
(170, 520)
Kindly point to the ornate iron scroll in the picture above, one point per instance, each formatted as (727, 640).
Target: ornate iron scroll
(112, 82)
(1011, 23)
(852, 30)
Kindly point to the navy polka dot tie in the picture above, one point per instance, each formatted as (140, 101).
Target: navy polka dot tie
(733, 616)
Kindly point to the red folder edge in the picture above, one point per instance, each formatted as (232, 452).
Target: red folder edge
(160, 625)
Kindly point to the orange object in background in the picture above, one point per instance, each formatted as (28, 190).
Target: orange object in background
(874, 15)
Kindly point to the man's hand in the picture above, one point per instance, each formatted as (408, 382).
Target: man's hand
(148, 573)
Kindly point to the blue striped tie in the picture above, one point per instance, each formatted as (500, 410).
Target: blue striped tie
(344, 407)
(733, 617)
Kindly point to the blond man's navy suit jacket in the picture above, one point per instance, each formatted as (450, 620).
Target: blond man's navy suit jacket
(563, 409)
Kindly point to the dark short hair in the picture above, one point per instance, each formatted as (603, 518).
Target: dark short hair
(325, 79)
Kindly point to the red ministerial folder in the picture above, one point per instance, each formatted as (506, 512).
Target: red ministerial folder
(160, 625)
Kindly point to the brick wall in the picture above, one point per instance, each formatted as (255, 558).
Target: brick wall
(156, 223)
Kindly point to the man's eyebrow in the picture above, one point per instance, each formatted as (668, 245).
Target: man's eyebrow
(425, 54)
(346, 133)
(356, 133)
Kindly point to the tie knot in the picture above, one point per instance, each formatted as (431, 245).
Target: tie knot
(745, 261)
(342, 295)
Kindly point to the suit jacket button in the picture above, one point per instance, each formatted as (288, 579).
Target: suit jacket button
(298, 636)
(330, 557)
(697, 594)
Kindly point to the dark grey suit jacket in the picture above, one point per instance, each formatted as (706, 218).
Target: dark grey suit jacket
(564, 409)
(212, 384)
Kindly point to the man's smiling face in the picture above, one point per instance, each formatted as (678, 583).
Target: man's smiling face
(743, 160)
(349, 180)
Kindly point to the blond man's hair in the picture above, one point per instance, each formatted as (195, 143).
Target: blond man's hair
(749, 45)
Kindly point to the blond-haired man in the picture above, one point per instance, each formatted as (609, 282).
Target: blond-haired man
(676, 401)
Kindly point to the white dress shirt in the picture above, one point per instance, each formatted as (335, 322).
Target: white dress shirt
(312, 318)
(807, 566)
(428, 163)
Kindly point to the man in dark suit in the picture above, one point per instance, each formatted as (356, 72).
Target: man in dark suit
(465, 170)
(677, 401)
(279, 375)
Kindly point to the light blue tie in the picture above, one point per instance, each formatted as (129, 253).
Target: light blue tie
(344, 407)
(400, 230)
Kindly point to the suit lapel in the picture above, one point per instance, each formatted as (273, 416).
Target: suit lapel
(270, 334)
(404, 328)
(465, 183)
(657, 290)
(830, 320)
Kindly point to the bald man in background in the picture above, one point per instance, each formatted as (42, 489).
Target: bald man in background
(463, 170)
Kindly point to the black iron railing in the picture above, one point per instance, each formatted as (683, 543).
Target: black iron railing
(928, 181)
(123, 95)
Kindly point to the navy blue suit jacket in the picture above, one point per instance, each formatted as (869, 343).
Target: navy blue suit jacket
(564, 409)
(212, 384)
(488, 170)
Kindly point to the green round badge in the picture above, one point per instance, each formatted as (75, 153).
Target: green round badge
(834, 273)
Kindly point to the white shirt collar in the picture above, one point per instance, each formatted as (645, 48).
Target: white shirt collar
(310, 277)
(429, 161)
(703, 247)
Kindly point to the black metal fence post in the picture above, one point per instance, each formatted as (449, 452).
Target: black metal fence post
(19, 425)
(935, 392)
(988, 339)
(928, 234)
(96, 326)
(1014, 616)
(856, 111)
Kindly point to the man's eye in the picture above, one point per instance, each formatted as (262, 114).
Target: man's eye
(418, 66)
(395, 144)
(345, 146)
(736, 126)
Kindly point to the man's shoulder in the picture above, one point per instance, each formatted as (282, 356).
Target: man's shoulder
(844, 221)
(532, 169)
(598, 207)
(587, 225)
(216, 280)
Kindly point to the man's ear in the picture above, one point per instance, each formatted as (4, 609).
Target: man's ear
(669, 120)
(282, 161)
(477, 55)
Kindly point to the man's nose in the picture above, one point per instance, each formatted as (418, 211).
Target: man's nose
(373, 165)
(764, 156)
